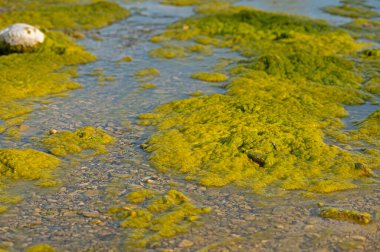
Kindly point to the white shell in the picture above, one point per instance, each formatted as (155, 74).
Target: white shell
(23, 35)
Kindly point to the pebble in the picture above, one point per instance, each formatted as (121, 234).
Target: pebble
(20, 38)
(359, 238)
(185, 243)
(93, 214)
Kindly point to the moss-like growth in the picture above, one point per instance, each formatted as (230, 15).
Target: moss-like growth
(210, 77)
(41, 248)
(67, 16)
(87, 138)
(26, 164)
(168, 52)
(202, 49)
(352, 11)
(364, 28)
(147, 73)
(148, 86)
(157, 216)
(346, 215)
(40, 73)
(181, 2)
(126, 59)
(268, 129)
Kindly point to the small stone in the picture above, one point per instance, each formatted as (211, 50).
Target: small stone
(94, 214)
(359, 238)
(6, 244)
(185, 243)
(53, 131)
(309, 227)
(20, 38)
(23, 127)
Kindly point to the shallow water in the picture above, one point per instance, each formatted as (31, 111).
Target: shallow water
(240, 221)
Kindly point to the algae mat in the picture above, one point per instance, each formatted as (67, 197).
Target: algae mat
(118, 201)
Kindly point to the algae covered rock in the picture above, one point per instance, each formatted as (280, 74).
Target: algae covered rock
(343, 214)
(87, 138)
(26, 164)
(20, 38)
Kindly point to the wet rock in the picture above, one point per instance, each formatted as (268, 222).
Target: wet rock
(185, 243)
(20, 38)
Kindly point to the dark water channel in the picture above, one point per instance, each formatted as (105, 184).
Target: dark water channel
(240, 221)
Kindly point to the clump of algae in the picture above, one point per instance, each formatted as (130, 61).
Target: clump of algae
(42, 73)
(181, 2)
(210, 76)
(41, 248)
(268, 129)
(346, 215)
(168, 52)
(147, 73)
(154, 216)
(364, 28)
(352, 11)
(148, 86)
(26, 164)
(87, 138)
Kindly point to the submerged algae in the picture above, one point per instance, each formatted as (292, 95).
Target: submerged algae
(347, 215)
(352, 11)
(269, 127)
(87, 138)
(26, 164)
(41, 248)
(159, 216)
(147, 73)
(41, 73)
(210, 76)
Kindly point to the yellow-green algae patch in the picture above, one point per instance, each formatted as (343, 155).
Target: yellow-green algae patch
(87, 138)
(41, 73)
(147, 73)
(26, 164)
(41, 248)
(346, 215)
(210, 76)
(268, 129)
(364, 28)
(148, 86)
(181, 2)
(168, 52)
(352, 11)
(67, 15)
(153, 216)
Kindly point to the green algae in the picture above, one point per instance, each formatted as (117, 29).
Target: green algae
(210, 76)
(155, 216)
(26, 164)
(148, 86)
(181, 2)
(41, 73)
(147, 73)
(67, 16)
(268, 129)
(126, 59)
(197, 94)
(202, 49)
(87, 138)
(352, 11)
(41, 248)
(364, 28)
(346, 215)
(168, 52)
